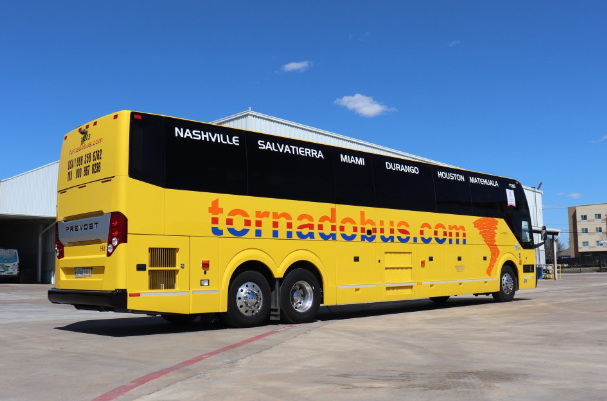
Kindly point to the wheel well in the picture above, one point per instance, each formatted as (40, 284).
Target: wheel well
(304, 264)
(514, 270)
(257, 266)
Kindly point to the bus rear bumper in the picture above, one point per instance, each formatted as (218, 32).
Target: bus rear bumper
(97, 300)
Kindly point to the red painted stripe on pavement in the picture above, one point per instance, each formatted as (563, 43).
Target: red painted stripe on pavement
(140, 381)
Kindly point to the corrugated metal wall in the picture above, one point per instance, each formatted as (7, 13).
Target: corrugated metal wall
(534, 199)
(30, 201)
(253, 121)
(33, 193)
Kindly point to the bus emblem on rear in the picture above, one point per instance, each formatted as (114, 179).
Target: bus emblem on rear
(85, 136)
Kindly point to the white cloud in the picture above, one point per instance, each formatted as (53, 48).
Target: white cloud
(297, 66)
(363, 105)
(573, 195)
(361, 38)
(454, 43)
(604, 138)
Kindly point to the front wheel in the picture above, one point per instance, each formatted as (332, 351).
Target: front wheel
(300, 296)
(248, 300)
(507, 286)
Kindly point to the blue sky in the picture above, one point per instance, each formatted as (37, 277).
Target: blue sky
(513, 88)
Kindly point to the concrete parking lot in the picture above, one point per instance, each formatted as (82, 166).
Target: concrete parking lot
(549, 344)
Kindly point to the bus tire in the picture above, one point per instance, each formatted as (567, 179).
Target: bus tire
(507, 285)
(440, 300)
(179, 319)
(248, 300)
(300, 296)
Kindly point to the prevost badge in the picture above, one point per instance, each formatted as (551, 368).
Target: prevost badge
(92, 228)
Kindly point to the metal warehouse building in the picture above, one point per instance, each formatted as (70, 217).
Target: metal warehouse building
(28, 209)
(28, 201)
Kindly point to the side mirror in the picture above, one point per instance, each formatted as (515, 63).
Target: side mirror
(544, 235)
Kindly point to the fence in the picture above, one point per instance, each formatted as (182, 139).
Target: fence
(594, 260)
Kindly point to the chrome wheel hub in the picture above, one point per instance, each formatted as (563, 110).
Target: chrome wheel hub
(301, 296)
(249, 299)
(507, 284)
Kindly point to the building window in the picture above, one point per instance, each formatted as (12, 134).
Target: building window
(598, 229)
(599, 244)
(584, 217)
(585, 244)
(597, 216)
(584, 230)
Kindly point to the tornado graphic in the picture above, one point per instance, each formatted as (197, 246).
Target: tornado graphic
(487, 228)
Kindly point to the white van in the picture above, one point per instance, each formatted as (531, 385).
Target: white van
(9, 263)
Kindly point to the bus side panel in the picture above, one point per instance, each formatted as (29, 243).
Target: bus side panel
(358, 275)
(205, 275)
(527, 280)
(158, 273)
(145, 207)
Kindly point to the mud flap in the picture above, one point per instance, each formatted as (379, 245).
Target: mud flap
(275, 302)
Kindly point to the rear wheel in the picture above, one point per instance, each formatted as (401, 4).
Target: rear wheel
(248, 300)
(440, 300)
(300, 296)
(507, 286)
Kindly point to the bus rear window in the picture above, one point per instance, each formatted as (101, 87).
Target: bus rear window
(146, 149)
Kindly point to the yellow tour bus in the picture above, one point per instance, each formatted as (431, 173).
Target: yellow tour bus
(178, 218)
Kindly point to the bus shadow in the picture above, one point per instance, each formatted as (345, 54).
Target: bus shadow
(328, 313)
(138, 326)
(153, 325)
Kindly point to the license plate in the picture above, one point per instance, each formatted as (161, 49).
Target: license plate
(83, 272)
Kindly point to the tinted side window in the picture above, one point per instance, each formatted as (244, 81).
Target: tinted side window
(452, 191)
(489, 197)
(402, 184)
(146, 149)
(521, 221)
(353, 178)
(521, 199)
(203, 157)
(289, 169)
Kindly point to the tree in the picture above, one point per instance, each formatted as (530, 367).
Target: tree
(560, 247)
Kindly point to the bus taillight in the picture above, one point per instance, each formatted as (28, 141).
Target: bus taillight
(118, 232)
(58, 244)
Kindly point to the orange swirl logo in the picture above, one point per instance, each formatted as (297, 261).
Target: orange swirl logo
(487, 228)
